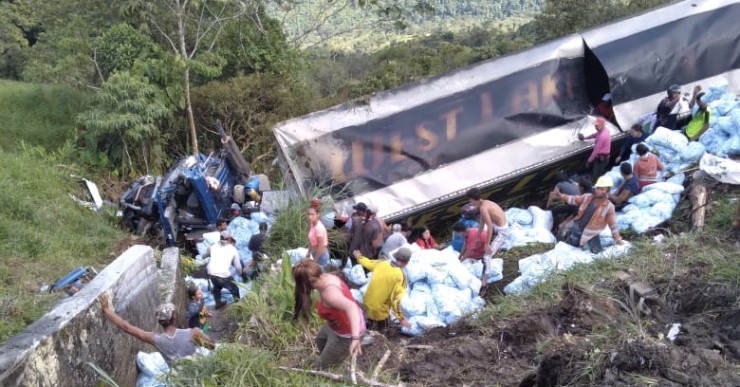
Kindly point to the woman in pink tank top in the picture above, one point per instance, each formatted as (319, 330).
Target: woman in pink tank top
(345, 324)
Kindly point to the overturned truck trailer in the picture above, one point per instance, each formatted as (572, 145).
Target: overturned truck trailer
(506, 125)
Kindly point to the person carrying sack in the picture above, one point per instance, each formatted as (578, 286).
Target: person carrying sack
(595, 212)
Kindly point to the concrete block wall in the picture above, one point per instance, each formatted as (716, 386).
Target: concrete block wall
(55, 350)
(172, 287)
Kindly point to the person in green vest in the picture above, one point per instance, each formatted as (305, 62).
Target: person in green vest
(700, 121)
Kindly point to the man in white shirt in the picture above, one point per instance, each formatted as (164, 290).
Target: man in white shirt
(396, 240)
(223, 254)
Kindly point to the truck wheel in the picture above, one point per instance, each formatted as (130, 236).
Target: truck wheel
(143, 227)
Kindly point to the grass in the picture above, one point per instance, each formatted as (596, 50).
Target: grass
(268, 308)
(44, 233)
(239, 365)
(267, 338)
(41, 115)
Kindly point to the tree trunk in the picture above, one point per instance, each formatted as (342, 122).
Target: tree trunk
(189, 108)
(179, 11)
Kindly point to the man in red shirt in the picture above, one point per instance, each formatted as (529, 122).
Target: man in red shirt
(605, 108)
(474, 245)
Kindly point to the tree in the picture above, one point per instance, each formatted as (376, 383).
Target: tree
(191, 28)
(60, 36)
(17, 23)
(120, 47)
(249, 106)
(127, 118)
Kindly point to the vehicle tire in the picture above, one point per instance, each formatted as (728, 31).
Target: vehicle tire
(143, 227)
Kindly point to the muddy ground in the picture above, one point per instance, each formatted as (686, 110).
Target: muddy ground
(584, 340)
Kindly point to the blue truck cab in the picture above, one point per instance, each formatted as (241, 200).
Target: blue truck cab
(193, 195)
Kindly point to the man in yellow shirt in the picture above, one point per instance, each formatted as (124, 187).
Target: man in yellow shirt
(386, 288)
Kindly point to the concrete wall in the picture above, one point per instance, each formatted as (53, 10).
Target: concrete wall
(172, 287)
(54, 350)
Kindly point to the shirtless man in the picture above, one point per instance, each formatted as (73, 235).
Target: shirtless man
(492, 217)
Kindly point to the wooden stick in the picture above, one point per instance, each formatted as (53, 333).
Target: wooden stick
(339, 378)
(698, 204)
(380, 365)
(373, 383)
(325, 374)
(419, 346)
(352, 367)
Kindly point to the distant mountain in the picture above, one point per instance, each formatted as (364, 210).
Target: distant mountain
(344, 25)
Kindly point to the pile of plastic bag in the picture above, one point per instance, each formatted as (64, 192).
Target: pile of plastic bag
(653, 206)
(535, 268)
(531, 225)
(723, 136)
(440, 289)
(226, 296)
(242, 229)
(656, 203)
(152, 367)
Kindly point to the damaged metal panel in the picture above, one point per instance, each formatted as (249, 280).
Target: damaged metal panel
(686, 43)
(411, 146)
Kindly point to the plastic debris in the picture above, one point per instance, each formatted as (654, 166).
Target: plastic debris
(674, 331)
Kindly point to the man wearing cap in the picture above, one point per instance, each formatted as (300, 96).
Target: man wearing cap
(372, 233)
(699, 123)
(595, 212)
(235, 210)
(354, 225)
(599, 158)
(223, 255)
(665, 115)
(386, 288)
(173, 343)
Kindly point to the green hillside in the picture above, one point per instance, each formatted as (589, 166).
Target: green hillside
(40, 115)
(44, 233)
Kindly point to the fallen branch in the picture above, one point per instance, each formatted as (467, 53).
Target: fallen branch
(340, 378)
(325, 374)
(419, 346)
(373, 383)
(352, 367)
(381, 363)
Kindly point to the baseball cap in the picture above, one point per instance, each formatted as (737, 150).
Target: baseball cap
(164, 312)
(360, 206)
(403, 254)
(372, 208)
(226, 235)
(674, 89)
(600, 121)
(235, 207)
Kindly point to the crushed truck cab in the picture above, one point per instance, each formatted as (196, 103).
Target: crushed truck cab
(194, 194)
